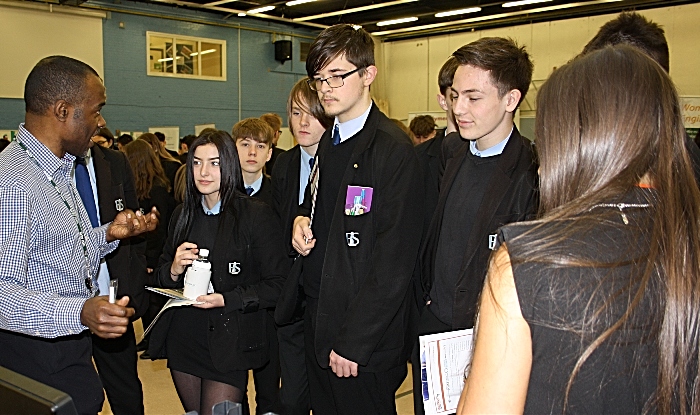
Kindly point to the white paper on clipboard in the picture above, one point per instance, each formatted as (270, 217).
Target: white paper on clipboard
(444, 358)
(176, 300)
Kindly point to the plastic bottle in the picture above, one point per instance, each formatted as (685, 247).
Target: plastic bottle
(198, 276)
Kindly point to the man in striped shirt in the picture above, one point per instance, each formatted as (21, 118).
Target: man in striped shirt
(49, 252)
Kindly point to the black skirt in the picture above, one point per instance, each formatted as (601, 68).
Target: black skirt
(188, 347)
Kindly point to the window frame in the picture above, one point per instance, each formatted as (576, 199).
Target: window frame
(199, 41)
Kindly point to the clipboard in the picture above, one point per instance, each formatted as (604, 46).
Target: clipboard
(174, 293)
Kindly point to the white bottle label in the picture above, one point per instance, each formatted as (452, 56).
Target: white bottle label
(196, 282)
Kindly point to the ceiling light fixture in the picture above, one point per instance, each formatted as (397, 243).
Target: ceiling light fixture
(460, 11)
(397, 21)
(296, 2)
(523, 3)
(260, 10)
(491, 17)
(355, 10)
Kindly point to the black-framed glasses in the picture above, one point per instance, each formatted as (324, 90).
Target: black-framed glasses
(335, 81)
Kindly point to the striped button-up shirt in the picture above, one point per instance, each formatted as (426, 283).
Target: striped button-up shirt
(42, 262)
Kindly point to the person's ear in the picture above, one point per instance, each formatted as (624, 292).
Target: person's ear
(269, 154)
(442, 102)
(512, 100)
(61, 110)
(369, 75)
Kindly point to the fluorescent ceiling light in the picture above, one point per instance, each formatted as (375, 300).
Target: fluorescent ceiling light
(204, 52)
(260, 10)
(460, 11)
(295, 2)
(355, 10)
(491, 17)
(215, 6)
(523, 3)
(169, 59)
(397, 21)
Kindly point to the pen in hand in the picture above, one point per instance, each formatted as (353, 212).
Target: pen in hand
(113, 284)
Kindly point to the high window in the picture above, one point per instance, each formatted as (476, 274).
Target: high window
(186, 57)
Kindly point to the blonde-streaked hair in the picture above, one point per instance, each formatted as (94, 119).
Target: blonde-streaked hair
(305, 98)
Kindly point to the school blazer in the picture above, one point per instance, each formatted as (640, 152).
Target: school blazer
(363, 309)
(285, 192)
(115, 192)
(265, 192)
(429, 157)
(512, 197)
(239, 332)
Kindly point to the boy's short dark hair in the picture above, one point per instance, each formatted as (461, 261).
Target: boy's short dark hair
(161, 136)
(635, 30)
(509, 64)
(340, 40)
(125, 139)
(189, 139)
(422, 125)
(255, 129)
(447, 74)
(104, 132)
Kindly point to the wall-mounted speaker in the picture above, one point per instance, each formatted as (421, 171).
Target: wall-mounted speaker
(283, 50)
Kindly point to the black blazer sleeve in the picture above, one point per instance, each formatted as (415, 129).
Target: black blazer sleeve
(165, 203)
(162, 273)
(261, 226)
(115, 190)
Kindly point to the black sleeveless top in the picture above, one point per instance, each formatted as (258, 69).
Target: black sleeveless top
(561, 305)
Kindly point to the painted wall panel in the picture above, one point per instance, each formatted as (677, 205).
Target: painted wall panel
(23, 45)
(136, 101)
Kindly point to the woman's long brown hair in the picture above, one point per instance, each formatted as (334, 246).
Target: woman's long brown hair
(147, 169)
(152, 139)
(604, 122)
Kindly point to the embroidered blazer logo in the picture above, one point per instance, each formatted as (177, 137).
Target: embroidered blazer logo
(119, 204)
(492, 241)
(352, 238)
(234, 268)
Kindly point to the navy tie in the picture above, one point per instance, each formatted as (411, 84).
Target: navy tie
(249, 190)
(311, 163)
(82, 182)
(336, 135)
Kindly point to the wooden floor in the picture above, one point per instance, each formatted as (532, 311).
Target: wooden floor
(160, 397)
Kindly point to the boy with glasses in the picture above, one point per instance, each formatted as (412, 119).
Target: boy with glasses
(358, 233)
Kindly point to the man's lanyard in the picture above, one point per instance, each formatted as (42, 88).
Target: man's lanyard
(76, 217)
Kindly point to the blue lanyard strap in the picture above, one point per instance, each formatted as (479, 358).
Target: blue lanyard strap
(76, 217)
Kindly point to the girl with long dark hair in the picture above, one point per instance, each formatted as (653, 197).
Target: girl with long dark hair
(594, 308)
(211, 346)
(152, 189)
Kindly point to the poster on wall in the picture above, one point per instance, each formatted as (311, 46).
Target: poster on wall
(172, 136)
(8, 134)
(690, 109)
